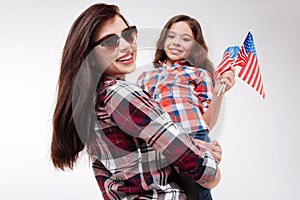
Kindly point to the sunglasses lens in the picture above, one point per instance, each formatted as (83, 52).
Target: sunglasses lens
(111, 41)
(130, 35)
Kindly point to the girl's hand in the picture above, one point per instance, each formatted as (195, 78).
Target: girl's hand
(228, 77)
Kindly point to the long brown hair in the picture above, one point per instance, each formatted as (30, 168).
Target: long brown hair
(199, 53)
(72, 118)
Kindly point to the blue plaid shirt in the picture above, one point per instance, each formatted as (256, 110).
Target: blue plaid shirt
(184, 92)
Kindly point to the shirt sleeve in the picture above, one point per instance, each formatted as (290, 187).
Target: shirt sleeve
(138, 115)
(204, 89)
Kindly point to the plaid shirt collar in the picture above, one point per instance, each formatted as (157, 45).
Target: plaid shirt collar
(107, 81)
(179, 63)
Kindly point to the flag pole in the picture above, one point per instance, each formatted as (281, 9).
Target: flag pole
(221, 90)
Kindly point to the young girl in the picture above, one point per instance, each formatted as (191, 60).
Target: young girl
(182, 83)
(132, 142)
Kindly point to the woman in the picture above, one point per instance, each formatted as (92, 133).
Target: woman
(133, 144)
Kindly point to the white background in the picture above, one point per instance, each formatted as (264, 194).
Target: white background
(259, 137)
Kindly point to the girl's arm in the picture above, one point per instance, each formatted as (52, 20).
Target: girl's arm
(212, 113)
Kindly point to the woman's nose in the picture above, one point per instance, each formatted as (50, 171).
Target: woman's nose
(123, 44)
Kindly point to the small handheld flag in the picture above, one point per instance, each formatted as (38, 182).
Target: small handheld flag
(248, 61)
(226, 64)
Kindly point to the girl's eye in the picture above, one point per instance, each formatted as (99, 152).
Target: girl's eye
(186, 39)
(171, 36)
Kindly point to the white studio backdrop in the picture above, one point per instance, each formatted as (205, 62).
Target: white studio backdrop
(259, 137)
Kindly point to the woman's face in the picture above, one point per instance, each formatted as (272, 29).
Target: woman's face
(179, 42)
(120, 60)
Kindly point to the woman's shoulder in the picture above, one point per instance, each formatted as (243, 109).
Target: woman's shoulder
(123, 85)
(124, 91)
(126, 88)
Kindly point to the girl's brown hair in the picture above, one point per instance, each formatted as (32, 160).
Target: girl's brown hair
(199, 54)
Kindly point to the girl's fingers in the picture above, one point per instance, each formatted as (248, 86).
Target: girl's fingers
(228, 78)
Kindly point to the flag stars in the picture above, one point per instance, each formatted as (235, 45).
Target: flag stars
(249, 44)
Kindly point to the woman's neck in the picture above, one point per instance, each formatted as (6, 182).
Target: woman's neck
(115, 77)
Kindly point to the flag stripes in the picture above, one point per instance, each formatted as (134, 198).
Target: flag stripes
(224, 65)
(250, 73)
(227, 61)
(241, 57)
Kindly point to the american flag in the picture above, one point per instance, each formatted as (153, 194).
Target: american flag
(227, 61)
(250, 70)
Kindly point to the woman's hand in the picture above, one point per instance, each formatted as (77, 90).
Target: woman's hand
(216, 150)
(213, 147)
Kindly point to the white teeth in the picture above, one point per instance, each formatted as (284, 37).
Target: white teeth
(125, 58)
(176, 51)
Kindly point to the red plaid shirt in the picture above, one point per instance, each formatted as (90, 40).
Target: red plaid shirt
(135, 144)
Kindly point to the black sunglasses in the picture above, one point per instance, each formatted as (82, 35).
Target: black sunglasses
(113, 40)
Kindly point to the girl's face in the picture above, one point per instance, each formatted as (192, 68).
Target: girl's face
(118, 59)
(179, 42)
